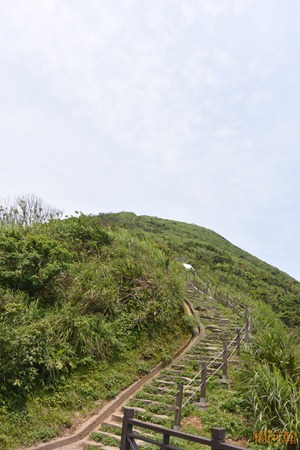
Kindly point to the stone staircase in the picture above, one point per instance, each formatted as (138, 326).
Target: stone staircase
(155, 402)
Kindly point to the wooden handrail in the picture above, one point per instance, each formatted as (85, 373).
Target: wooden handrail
(129, 437)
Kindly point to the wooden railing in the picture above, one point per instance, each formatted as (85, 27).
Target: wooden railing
(217, 442)
(131, 438)
(229, 348)
(242, 334)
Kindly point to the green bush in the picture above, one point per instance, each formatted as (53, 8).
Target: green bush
(30, 261)
(82, 234)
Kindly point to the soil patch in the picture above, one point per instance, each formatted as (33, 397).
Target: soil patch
(193, 421)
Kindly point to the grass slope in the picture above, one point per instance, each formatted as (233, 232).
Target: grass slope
(84, 312)
(91, 303)
(217, 260)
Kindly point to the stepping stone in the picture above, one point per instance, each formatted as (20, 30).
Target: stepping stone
(106, 433)
(163, 390)
(117, 417)
(169, 383)
(118, 426)
(178, 366)
(179, 378)
(175, 372)
(109, 447)
(137, 409)
(146, 401)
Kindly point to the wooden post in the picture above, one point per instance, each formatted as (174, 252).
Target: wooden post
(203, 383)
(227, 300)
(238, 342)
(217, 436)
(206, 289)
(178, 407)
(225, 358)
(246, 312)
(233, 305)
(126, 428)
(166, 441)
(247, 330)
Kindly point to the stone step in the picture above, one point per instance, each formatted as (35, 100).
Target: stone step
(213, 348)
(207, 359)
(107, 433)
(165, 382)
(137, 409)
(164, 395)
(206, 317)
(178, 366)
(171, 377)
(90, 442)
(235, 362)
(211, 363)
(199, 357)
(211, 337)
(154, 402)
(202, 352)
(159, 416)
(151, 416)
(213, 328)
(163, 390)
(175, 371)
(117, 417)
(189, 392)
(109, 447)
(116, 425)
(144, 400)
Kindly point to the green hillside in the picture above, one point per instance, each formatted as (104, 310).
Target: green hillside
(217, 260)
(90, 303)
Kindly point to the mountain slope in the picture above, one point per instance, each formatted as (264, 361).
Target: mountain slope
(90, 303)
(217, 260)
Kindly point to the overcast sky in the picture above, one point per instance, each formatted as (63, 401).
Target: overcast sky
(181, 109)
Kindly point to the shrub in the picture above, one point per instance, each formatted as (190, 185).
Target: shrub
(30, 261)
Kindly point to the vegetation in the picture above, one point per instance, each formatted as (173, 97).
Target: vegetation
(76, 299)
(270, 380)
(218, 261)
(90, 303)
(26, 210)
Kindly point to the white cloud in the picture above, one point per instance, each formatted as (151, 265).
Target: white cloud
(212, 7)
(225, 132)
(222, 57)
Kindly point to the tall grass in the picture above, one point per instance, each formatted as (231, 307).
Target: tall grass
(270, 379)
(118, 289)
(273, 398)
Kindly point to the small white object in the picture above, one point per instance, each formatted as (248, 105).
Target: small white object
(188, 266)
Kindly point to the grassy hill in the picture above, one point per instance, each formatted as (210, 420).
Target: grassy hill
(217, 260)
(90, 303)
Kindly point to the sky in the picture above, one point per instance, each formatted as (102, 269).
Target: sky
(180, 109)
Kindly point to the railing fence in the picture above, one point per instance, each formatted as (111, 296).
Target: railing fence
(229, 349)
(130, 439)
(217, 442)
